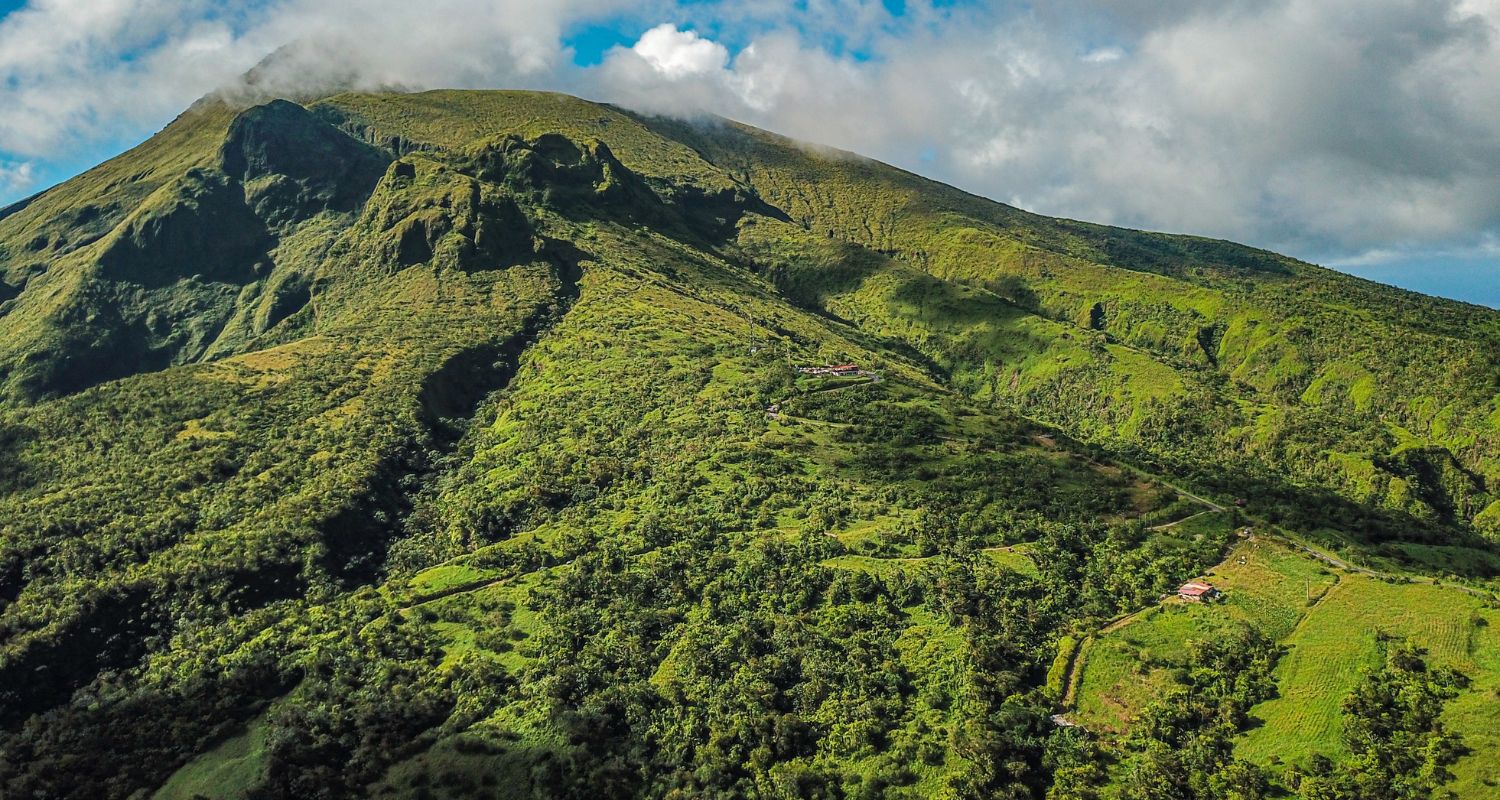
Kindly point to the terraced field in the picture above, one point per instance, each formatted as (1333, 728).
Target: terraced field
(1265, 585)
(1477, 712)
(1330, 623)
(1336, 642)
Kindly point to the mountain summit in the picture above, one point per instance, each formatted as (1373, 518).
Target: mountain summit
(492, 444)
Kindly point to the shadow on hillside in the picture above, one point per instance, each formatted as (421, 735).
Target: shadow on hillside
(1319, 513)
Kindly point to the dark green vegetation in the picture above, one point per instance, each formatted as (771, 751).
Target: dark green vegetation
(1399, 746)
(418, 446)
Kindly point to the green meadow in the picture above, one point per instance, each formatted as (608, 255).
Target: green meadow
(1329, 623)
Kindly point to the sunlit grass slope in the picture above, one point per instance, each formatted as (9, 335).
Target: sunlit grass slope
(1329, 622)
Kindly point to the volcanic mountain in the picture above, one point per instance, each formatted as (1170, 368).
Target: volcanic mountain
(484, 444)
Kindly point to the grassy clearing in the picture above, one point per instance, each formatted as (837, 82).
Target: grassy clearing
(1329, 623)
(1337, 642)
(445, 578)
(858, 533)
(1013, 557)
(493, 621)
(1115, 680)
(222, 772)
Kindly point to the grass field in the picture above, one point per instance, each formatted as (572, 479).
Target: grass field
(1329, 624)
(1476, 714)
(223, 771)
(1336, 642)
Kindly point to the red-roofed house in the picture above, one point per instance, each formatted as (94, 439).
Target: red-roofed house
(1197, 592)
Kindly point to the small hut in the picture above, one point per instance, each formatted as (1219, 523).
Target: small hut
(1197, 592)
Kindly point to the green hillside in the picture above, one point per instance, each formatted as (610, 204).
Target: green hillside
(1333, 624)
(463, 444)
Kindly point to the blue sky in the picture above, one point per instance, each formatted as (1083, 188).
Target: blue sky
(1472, 276)
(1359, 134)
(590, 41)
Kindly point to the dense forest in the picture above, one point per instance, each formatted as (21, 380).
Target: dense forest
(484, 445)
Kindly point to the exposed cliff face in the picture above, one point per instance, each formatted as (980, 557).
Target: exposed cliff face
(424, 212)
(206, 261)
(294, 165)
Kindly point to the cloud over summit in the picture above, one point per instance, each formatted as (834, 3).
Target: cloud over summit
(1327, 128)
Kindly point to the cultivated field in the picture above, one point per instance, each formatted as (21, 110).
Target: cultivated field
(1329, 620)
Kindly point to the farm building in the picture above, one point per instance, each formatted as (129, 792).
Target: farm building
(1197, 591)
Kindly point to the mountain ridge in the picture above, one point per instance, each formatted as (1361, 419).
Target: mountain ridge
(1003, 251)
(459, 439)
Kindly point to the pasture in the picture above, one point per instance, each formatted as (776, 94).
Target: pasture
(1329, 622)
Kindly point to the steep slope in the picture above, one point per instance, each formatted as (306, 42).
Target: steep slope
(163, 267)
(453, 444)
(1323, 377)
(1281, 369)
(1209, 356)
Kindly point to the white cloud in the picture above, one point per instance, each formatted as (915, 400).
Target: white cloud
(74, 71)
(1321, 127)
(1315, 126)
(15, 177)
(668, 71)
(1484, 248)
(680, 54)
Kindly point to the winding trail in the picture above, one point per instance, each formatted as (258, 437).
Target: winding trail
(1338, 563)
(1174, 523)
